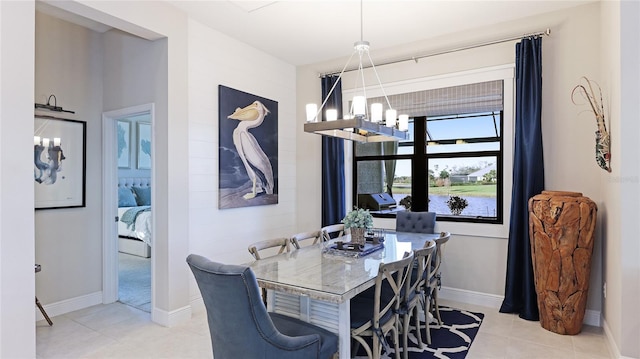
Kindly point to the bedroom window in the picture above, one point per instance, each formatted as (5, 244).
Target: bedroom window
(455, 155)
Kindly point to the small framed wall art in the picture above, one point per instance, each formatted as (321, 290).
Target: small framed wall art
(59, 148)
(144, 146)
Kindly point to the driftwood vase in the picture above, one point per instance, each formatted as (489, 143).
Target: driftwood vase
(561, 228)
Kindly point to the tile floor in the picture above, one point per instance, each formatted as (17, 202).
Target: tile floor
(119, 331)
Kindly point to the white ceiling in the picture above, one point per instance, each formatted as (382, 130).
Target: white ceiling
(309, 31)
(302, 32)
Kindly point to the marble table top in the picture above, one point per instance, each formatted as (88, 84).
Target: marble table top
(330, 277)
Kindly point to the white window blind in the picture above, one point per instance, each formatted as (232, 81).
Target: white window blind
(471, 98)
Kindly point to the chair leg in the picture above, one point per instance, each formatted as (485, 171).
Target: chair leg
(437, 308)
(416, 314)
(44, 314)
(405, 336)
(264, 297)
(427, 310)
(396, 339)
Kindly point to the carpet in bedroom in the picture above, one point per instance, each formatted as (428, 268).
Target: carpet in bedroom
(134, 281)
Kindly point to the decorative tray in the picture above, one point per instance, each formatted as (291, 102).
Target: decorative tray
(354, 250)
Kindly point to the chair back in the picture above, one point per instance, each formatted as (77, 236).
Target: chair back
(332, 231)
(395, 275)
(437, 257)
(281, 243)
(420, 275)
(416, 222)
(237, 318)
(299, 237)
(239, 324)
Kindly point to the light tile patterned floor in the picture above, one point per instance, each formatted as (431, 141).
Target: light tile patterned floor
(119, 331)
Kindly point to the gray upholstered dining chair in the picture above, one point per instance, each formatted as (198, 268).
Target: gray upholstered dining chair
(414, 294)
(432, 286)
(281, 243)
(332, 231)
(299, 237)
(416, 222)
(377, 316)
(241, 327)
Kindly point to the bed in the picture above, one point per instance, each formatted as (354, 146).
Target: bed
(134, 216)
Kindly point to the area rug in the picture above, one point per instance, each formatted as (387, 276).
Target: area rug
(450, 340)
(134, 281)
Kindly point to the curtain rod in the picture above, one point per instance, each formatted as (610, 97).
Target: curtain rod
(546, 32)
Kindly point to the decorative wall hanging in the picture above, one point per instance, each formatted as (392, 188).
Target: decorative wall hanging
(603, 141)
(124, 144)
(144, 146)
(59, 147)
(248, 152)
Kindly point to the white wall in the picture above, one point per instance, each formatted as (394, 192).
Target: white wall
(621, 77)
(568, 54)
(68, 241)
(215, 59)
(160, 21)
(17, 278)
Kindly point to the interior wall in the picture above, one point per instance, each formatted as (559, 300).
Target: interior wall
(159, 21)
(568, 54)
(17, 277)
(621, 76)
(612, 248)
(133, 68)
(215, 59)
(68, 242)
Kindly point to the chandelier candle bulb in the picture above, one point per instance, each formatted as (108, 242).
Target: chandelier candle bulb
(359, 105)
(403, 122)
(45, 142)
(376, 112)
(312, 112)
(390, 118)
(36, 140)
(332, 114)
(56, 141)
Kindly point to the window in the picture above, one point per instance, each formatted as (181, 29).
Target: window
(454, 156)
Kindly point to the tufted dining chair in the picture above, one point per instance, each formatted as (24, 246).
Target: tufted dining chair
(416, 222)
(241, 327)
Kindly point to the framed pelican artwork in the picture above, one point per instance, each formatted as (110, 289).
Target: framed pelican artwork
(248, 152)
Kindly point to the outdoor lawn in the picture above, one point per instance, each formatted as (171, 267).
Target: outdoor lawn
(470, 190)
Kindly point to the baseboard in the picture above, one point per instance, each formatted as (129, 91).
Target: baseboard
(197, 304)
(591, 317)
(611, 343)
(172, 318)
(471, 297)
(70, 305)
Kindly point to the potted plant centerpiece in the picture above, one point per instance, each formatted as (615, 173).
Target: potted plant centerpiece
(457, 204)
(358, 221)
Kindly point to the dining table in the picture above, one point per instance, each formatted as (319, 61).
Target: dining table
(316, 283)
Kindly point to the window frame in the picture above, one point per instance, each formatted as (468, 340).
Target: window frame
(500, 72)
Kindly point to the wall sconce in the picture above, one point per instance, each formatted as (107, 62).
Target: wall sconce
(50, 107)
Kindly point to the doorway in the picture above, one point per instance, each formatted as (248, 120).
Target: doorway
(128, 199)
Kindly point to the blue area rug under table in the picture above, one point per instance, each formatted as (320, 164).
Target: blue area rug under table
(450, 340)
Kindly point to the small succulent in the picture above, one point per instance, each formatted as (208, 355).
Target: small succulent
(358, 218)
(457, 204)
(406, 202)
